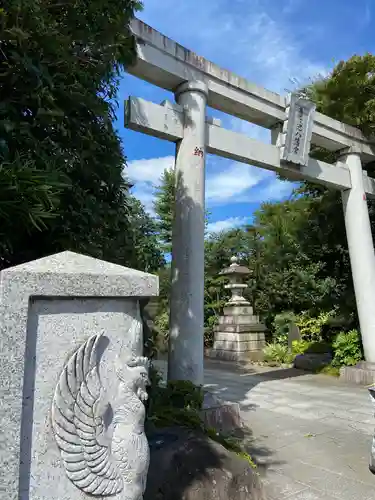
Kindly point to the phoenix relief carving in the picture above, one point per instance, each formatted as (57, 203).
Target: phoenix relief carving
(101, 459)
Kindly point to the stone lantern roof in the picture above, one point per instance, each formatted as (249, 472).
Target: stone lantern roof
(235, 268)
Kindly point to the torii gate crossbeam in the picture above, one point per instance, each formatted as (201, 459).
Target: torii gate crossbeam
(197, 83)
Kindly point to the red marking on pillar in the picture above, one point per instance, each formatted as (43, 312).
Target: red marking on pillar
(364, 196)
(198, 152)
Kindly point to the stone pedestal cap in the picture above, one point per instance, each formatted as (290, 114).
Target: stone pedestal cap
(72, 274)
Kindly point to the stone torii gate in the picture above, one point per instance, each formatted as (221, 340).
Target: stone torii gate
(196, 84)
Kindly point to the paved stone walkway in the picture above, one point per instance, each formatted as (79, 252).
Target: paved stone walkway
(310, 434)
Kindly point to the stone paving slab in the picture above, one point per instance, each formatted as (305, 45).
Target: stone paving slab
(279, 486)
(307, 495)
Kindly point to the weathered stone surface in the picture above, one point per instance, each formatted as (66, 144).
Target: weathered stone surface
(240, 337)
(362, 373)
(294, 334)
(244, 319)
(312, 361)
(186, 465)
(226, 355)
(237, 345)
(246, 328)
(236, 310)
(220, 415)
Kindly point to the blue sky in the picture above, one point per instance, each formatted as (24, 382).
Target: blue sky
(274, 44)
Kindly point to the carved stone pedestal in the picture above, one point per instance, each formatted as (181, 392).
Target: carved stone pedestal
(73, 378)
(239, 335)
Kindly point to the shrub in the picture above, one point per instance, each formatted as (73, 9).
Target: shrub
(333, 371)
(277, 353)
(311, 328)
(162, 323)
(209, 330)
(300, 346)
(347, 348)
(162, 327)
(319, 348)
(178, 403)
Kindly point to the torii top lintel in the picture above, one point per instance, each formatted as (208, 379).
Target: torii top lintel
(165, 63)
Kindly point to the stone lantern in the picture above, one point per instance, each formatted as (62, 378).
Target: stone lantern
(235, 274)
(239, 335)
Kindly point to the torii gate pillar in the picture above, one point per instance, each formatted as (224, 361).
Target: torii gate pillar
(361, 251)
(185, 361)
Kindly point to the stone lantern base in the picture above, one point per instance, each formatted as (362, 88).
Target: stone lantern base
(239, 335)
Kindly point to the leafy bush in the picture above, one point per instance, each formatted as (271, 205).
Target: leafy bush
(311, 327)
(333, 371)
(178, 403)
(280, 325)
(300, 346)
(162, 327)
(162, 323)
(277, 353)
(347, 349)
(319, 348)
(209, 330)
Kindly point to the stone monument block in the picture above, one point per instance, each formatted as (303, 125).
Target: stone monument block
(73, 380)
(294, 335)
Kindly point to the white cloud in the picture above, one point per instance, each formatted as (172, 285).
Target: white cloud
(148, 170)
(226, 185)
(146, 174)
(274, 191)
(224, 225)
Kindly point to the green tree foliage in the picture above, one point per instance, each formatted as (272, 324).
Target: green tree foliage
(59, 70)
(220, 247)
(296, 256)
(27, 196)
(145, 253)
(348, 93)
(164, 202)
(163, 206)
(291, 274)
